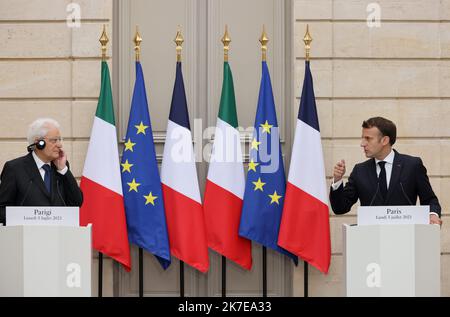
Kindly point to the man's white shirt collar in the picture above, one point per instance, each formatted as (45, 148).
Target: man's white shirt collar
(388, 159)
(38, 161)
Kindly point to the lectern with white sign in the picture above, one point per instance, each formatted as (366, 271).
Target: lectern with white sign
(45, 260)
(392, 260)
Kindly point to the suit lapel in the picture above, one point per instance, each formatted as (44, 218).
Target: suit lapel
(395, 175)
(372, 173)
(33, 172)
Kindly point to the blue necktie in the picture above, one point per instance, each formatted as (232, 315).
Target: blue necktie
(47, 177)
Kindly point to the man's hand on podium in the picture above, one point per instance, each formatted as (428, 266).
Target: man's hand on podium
(434, 220)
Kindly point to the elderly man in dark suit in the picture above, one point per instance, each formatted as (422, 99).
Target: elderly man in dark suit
(43, 177)
(387, 178)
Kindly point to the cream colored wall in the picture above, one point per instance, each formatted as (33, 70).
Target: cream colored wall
(401, 71)
(48, 69)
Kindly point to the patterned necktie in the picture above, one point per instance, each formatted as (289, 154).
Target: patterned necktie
(47, 176)
(382, 180)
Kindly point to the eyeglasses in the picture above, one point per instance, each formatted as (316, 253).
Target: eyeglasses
(54, 140)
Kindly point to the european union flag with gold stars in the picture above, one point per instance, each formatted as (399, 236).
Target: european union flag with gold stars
(266, 182)
(141, 183)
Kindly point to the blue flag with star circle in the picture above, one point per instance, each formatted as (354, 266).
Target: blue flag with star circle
(266, 182)
(141, 183)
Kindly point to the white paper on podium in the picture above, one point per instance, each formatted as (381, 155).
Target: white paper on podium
(393, 215)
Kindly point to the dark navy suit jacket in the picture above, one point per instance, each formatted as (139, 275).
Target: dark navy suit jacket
(22, 185)
(408, 182)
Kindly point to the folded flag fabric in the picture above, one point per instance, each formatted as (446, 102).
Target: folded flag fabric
(184, 213)
(266, 181)
(305, 225)
(141, 183)
(103, 204)
(225, 183)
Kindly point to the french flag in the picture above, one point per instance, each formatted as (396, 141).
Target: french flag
(305, 226)
(184, 212)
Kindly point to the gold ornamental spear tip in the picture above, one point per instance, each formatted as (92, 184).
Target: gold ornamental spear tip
(104, 41)
(179, 41)
(264, 40)
(307, 39)
(226, 44)
(137, 42)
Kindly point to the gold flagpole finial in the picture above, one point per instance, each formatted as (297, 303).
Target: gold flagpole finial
(137, 42)
(179, 41)
(264, 40)
(104, 41)
(226, 43)
(307, 39)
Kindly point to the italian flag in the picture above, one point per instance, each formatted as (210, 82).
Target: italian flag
(225, 184)
(103, 204)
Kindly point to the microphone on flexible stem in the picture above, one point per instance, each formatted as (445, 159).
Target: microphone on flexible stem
(59, 193)
(404, 194)
(375, 195)
(26, 192)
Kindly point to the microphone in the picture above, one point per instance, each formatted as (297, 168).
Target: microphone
(375, 195)
(26, 192)
(59, 193)
(404, 194)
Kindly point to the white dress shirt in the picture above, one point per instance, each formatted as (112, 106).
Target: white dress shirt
(40, 163)
(388, 166)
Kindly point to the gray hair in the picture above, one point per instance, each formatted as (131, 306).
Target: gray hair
(39, 129)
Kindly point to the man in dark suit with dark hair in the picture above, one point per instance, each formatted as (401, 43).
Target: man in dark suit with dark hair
(43, 177)
(387, 178)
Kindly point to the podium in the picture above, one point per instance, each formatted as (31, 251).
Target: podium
(392, 260)
(45, 261)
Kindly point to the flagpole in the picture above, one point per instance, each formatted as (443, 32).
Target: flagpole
(226, 48)
(137, 48)
(264, 40)
(264, 256)
(226, 40)
(137, 42)
(103, 41)
(179, 42)
(141, 272)
(305, 279)
(224, 276)
(181, 278)
(307, 40)
(100, 274)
